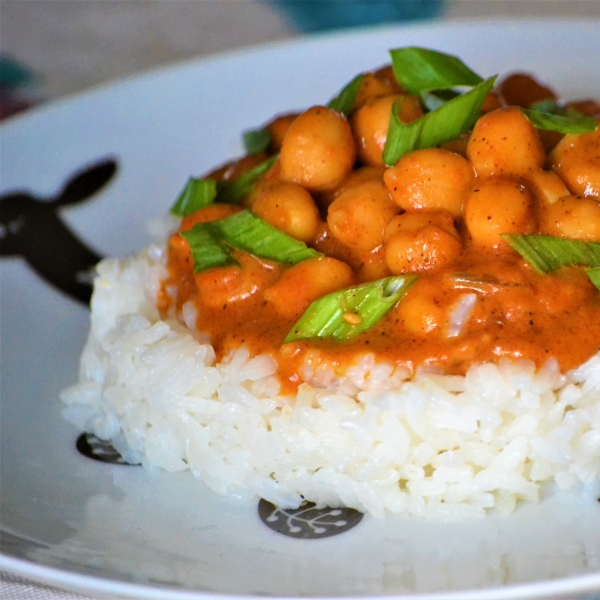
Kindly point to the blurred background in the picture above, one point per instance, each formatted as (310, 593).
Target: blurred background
(54, 48)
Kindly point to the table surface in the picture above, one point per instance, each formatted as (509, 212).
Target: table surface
(71, 46)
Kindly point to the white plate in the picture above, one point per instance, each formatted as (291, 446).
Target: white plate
(106, 529)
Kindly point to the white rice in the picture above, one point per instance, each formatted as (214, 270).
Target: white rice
(377, 439)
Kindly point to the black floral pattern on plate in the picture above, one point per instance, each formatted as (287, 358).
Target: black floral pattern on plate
(308, 521)
(93, 447)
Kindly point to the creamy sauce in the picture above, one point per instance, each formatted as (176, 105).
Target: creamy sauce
(517, 314)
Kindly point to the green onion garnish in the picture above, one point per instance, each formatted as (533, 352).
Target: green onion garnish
(246, 231)
(594, 275)
(422, 70)
(548, 106)
(345, 99)
(199, 193)
(546, 253)
(561, 123)
(555, 108)
(432, 101)
(345, 314)
(256, 140)
(210, 242)
(436, 127)
(208, 250)
(233, 192)
(196, 194)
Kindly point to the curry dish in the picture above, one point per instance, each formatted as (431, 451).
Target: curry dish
(391, 302)
(438, 213)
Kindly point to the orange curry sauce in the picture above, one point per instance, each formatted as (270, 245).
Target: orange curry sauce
(518, 314)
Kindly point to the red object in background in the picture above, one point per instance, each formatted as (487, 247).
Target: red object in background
(18, 87)
(12, 103)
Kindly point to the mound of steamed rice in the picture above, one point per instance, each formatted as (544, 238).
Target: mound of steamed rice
(376, 439)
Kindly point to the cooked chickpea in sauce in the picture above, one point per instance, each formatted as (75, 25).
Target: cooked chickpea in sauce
(438, 213)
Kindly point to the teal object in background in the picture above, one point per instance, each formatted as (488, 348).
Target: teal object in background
(18, 87)
(320, 15)
(12, 74)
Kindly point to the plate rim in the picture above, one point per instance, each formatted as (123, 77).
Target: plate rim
(86, 584)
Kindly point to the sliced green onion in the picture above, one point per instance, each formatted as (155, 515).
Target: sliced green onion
(432, 101)
(554, 108)
(196, 194)
(248, 232)
(345, 314)
(211, 242)
(571, 123)
(422, 70)
(436, 127)
(546, 253)
(594, 275)
(256, 140)
(550, 115)
(233, 192)
(208, 250)
(345, 99)
(548, 106)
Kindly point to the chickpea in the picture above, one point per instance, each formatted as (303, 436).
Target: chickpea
(213, 212)
(303, 283)
(219, 286)
(577, 160)
(290, 208)
(547, 187)
(318, 149)
(373, 87)
(572, 217)
(505, 143)
(386, 74)
(430, 179)
(457, 145)
(358, 216)
(426, 249)
(491, 102)
(326, 243)
(271, 177)
(521, 89)
(356, 177)
(413, 220)
(498, 206)
(421, 312)
(278, 128)
(372, 265)
(370, 124)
